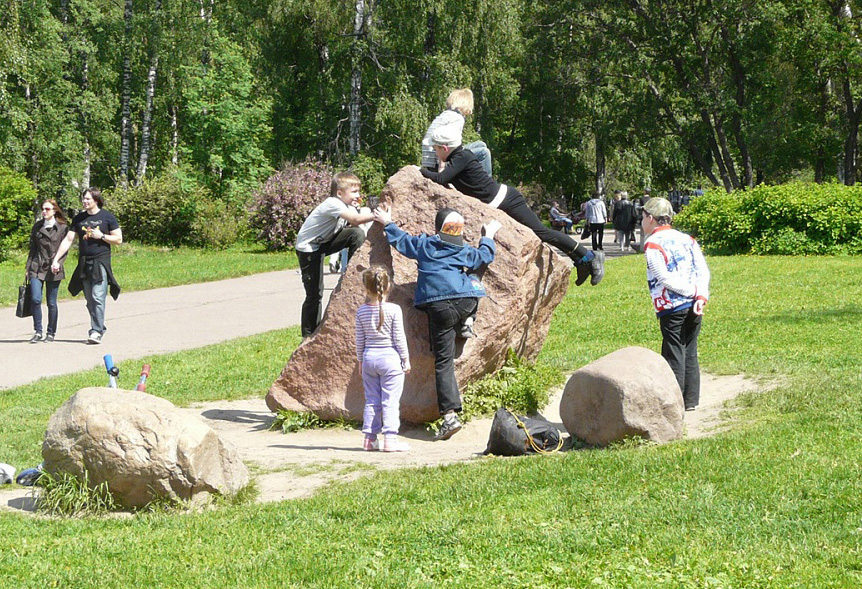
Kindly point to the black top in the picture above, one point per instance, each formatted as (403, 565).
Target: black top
(85, 222)
(466, 174)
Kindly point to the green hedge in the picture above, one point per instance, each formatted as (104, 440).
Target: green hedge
(791, 219)
(17, 201)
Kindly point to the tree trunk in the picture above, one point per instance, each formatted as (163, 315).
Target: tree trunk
(85, 122)
(716, 152)
(126, 100)
(360, 23)
(600, 167)
(146, 123)
(725, 152)
(739, 79)
(851, 143)
(33, 163)
(175, 137)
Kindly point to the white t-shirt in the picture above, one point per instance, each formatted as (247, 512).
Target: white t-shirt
(321, 225)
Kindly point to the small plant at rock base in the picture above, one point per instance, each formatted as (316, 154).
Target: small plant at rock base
(65, 494)
(519, 385)
(293, 421)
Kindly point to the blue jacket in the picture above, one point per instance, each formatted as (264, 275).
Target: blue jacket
(443, 266)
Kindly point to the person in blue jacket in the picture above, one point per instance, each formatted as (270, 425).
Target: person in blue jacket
(446, 291)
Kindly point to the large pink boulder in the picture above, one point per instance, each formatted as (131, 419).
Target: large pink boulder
(525, 283)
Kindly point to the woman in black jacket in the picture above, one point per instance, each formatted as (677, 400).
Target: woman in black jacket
(45, 239)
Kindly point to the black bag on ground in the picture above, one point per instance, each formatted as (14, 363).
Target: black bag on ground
(516, 436)
(25, 301)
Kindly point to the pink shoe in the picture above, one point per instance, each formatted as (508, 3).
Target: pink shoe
(370, 444)
(395, 445)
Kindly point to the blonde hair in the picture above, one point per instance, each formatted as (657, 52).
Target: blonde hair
(377, 284)
(344, 181)
(461, 99)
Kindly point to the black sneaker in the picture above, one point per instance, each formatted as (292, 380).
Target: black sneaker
(583, 270)
(49, 338)
(448, 429)
(597, 268)
(37, 337)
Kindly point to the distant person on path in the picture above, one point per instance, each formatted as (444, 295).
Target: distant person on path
(459, 106)
(559, 216)
(324, 232)
(624, 221)
(678, 280)
(45, 238)
(597, 216)
(381, 348)
(446, 292)
(99, 230)
(464, 173)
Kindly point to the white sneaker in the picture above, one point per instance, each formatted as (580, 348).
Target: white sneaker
(94, 338)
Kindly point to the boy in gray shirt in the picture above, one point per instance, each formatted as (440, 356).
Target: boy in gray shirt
(332, 226)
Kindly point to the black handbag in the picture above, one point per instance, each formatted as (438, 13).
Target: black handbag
(25, 301)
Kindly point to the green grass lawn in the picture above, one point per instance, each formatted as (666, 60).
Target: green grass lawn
(776, 502)
(142, 267)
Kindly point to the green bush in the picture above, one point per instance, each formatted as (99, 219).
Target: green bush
(17, 202)
(217, 225)
(161, 211)
(791, 219)
(519, 386)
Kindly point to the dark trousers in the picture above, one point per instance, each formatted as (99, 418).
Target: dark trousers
(679, 333)
(444, 317)
(597, 230)
(516, 207)
(311, 267)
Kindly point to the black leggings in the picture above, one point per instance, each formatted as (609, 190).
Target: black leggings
(516, 207)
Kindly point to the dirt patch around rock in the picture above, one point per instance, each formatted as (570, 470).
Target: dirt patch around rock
(291, 466)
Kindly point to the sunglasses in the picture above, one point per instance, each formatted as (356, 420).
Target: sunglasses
(47, 208)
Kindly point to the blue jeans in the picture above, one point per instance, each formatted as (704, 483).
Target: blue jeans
(482, 153)
(52, 287)
(96, 295)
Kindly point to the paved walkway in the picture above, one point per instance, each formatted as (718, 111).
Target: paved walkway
(153, 322)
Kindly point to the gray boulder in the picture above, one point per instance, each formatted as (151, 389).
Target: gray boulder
(630, 392)
(143, 446)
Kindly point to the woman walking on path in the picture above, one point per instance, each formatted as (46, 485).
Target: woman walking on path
(45, 238)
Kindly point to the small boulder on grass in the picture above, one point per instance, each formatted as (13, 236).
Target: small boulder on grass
(142, 446)
(630, 392)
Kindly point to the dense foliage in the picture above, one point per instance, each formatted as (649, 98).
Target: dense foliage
(574, 95)
(17, 200)
(790, 219)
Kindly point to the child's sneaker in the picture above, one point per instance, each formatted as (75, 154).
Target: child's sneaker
(448, 429)
(370, 444)
(466, 329)
(393, 444)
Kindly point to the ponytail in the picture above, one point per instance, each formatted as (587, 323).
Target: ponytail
(377, 284)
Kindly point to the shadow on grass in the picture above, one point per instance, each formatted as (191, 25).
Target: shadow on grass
(817, 316)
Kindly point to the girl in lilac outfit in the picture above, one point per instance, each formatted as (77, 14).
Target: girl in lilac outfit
(381, 348)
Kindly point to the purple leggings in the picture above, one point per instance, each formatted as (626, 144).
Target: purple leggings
(384, 380)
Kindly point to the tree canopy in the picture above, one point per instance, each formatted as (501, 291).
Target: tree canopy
(571, 95)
